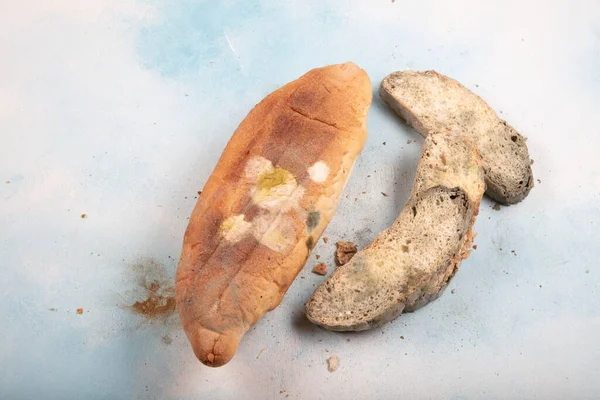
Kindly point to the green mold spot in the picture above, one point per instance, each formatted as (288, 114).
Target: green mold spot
(312, 221)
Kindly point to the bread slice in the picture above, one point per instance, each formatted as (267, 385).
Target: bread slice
(399, 267)
(431, 102)
(409, 264)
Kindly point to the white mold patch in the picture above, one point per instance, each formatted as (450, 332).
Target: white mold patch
(319, 172)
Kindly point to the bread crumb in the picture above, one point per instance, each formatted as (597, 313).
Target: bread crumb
(474, 247)
(199, 192)
(325, 239)
(84, 216)
(402, 337)
(385, 194)
(332, 363)
(7, 182)
(320, 269)
(80, 311)
(301, 276)
(587, 271)
(317, 256)
(344, 252)
(453, 291)
(52, 309)
(408, 141)
(364, 192)
(368, 176)
(384, 142)
(496, 207)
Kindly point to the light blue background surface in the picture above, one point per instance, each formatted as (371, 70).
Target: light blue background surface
(120, 110)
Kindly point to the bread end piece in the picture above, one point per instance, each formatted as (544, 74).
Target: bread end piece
(213, 349)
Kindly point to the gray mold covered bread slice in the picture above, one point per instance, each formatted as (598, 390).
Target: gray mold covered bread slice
(431, 102)
(411, 263)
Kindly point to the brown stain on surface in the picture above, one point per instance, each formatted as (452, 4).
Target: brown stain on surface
(156, 299)
(155, 306)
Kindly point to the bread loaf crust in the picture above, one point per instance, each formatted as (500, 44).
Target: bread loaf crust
(271, 195)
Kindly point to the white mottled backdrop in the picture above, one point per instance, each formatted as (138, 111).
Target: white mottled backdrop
(119, 109)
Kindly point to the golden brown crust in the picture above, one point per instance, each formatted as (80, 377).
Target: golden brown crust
(264, 207)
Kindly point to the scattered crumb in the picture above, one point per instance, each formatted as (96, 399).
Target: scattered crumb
(325, 239)
(496, 207)
(512, 251)
(384, 142)
(409, 141)
(84, 216)
(332, 363)
(474, 247)
(587, 271)
(320, 269)
(540, 285)
(199, 192)
(453, 291)
(301, 276)
(317, 256)
(368, 176)
(52, 309)
(500, 248)
(539, 181)
(402, 337)
(531, 161)
(364, 192)
(344, 252)
(167, 340)
(347, 195)
(385, 194)
(356, 199)
(347, 340)
(7, 182)
(476, 85)
(80, 311)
